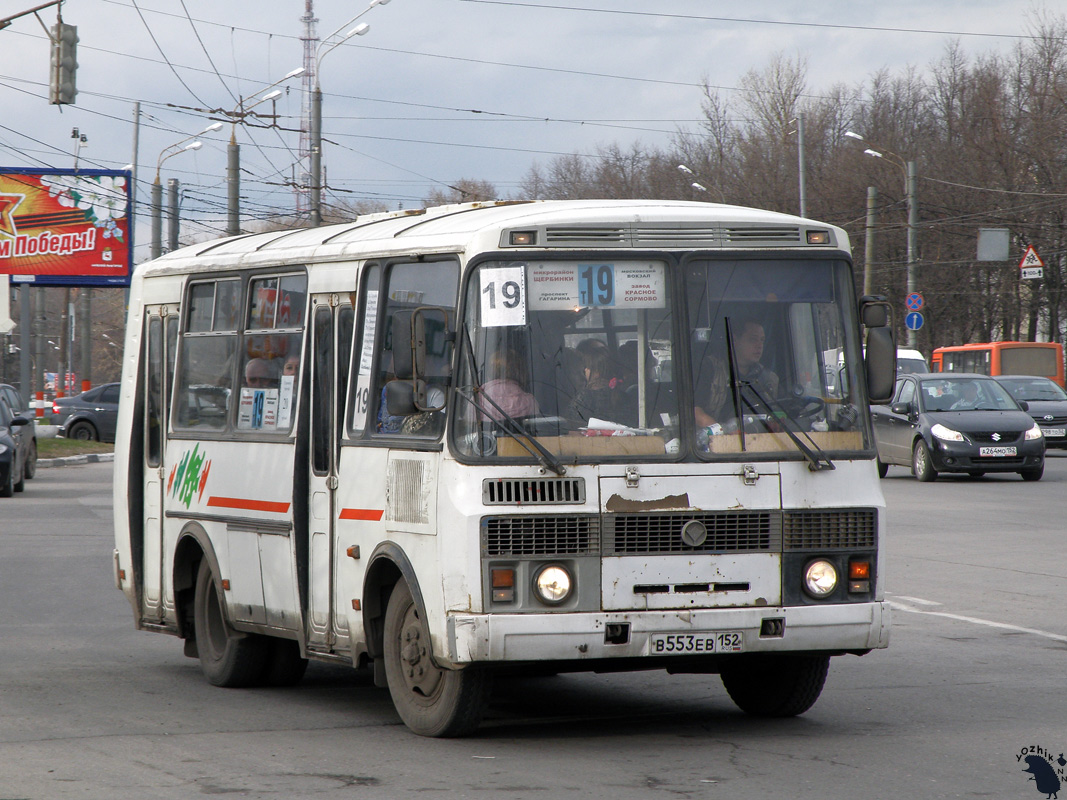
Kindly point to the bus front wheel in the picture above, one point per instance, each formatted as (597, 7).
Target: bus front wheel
(430, 700)
(775, 686)
(227, 657)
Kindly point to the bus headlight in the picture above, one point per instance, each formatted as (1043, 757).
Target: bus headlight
(552, 584)
(820, 578)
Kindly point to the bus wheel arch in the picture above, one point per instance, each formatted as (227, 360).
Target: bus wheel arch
(193, 546)
(388, 565)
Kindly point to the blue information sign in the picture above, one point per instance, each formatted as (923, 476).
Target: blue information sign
(913, 321)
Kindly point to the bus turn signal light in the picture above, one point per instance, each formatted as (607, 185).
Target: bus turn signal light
(859, 577)
(502, 580)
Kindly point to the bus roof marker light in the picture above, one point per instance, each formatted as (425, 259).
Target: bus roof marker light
(818, 237)
(523, 238)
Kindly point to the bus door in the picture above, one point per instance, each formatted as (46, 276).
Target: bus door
(329, 349)
(160, 341)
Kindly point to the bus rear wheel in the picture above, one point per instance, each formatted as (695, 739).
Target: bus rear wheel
(227, 657)
(430, 700)
(775, 686)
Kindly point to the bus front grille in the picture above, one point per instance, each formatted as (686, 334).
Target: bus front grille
(540, 535)
(830, 528)
(727, 532)
(533, 491)
(767, 531)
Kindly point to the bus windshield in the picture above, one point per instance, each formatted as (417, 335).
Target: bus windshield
(584, 359)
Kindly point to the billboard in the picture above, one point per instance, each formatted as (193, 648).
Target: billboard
(65, 227)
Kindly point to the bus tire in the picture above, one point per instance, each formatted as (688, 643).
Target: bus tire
(775, 686)
(285, 665)
(431, 701)
(227, 657)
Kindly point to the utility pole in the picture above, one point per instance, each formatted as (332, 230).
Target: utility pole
(913, 232)
(801, 168)
(172, 214)
(868, 249)
(233, 185)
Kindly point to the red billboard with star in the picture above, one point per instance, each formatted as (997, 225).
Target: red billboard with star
(65, 227)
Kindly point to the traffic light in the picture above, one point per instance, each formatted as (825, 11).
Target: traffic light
(64, 64)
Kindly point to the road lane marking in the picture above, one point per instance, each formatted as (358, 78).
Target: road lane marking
(1056, 637)
(917, 600)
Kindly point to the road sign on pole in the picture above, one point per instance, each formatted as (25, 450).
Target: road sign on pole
(914, 301)
(1031, 265)
(913, 320)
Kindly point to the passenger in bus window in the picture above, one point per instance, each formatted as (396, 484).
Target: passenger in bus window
(291, 365)
(749, 338)
(598, 398)
(506, 391)
(259, 374)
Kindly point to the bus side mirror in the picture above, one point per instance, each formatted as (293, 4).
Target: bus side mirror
(416, 337)
(874, 311)
(880, 357)
(400, 398)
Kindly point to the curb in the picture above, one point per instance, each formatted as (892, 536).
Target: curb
(69, 461)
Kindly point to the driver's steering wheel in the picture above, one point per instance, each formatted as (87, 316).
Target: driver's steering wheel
(803, 407)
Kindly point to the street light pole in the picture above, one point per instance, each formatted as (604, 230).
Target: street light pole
(316, 108)
(233, 152)
(697, 185)
(157, 189)
(316, 155)
(911, 182)
(801, 167)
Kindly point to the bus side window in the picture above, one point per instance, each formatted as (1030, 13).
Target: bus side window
(204, 372)
(270, 367)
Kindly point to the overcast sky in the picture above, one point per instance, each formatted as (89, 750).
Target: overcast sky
(437, 90)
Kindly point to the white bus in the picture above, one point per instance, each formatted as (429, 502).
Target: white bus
(449, 443)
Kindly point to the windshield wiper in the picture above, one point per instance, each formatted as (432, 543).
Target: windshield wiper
(513, 428)
(817, 459)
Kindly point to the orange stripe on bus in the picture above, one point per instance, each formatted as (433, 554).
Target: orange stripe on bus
(248, 505)
(374, 515)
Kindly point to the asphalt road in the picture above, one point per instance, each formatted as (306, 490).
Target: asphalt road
(975, 672)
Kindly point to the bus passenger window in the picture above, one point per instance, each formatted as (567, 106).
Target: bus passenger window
(204, 372)
(271, 353)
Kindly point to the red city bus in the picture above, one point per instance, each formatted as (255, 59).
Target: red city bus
(1002, 358)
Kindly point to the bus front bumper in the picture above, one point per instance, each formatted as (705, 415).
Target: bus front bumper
(851, 627)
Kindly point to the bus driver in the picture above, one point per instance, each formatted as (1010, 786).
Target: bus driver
(748, 350)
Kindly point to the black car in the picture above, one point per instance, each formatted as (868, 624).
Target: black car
(16, 436)
(957, 422)
(29, 445)
(91, 415)
(1047, 403)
